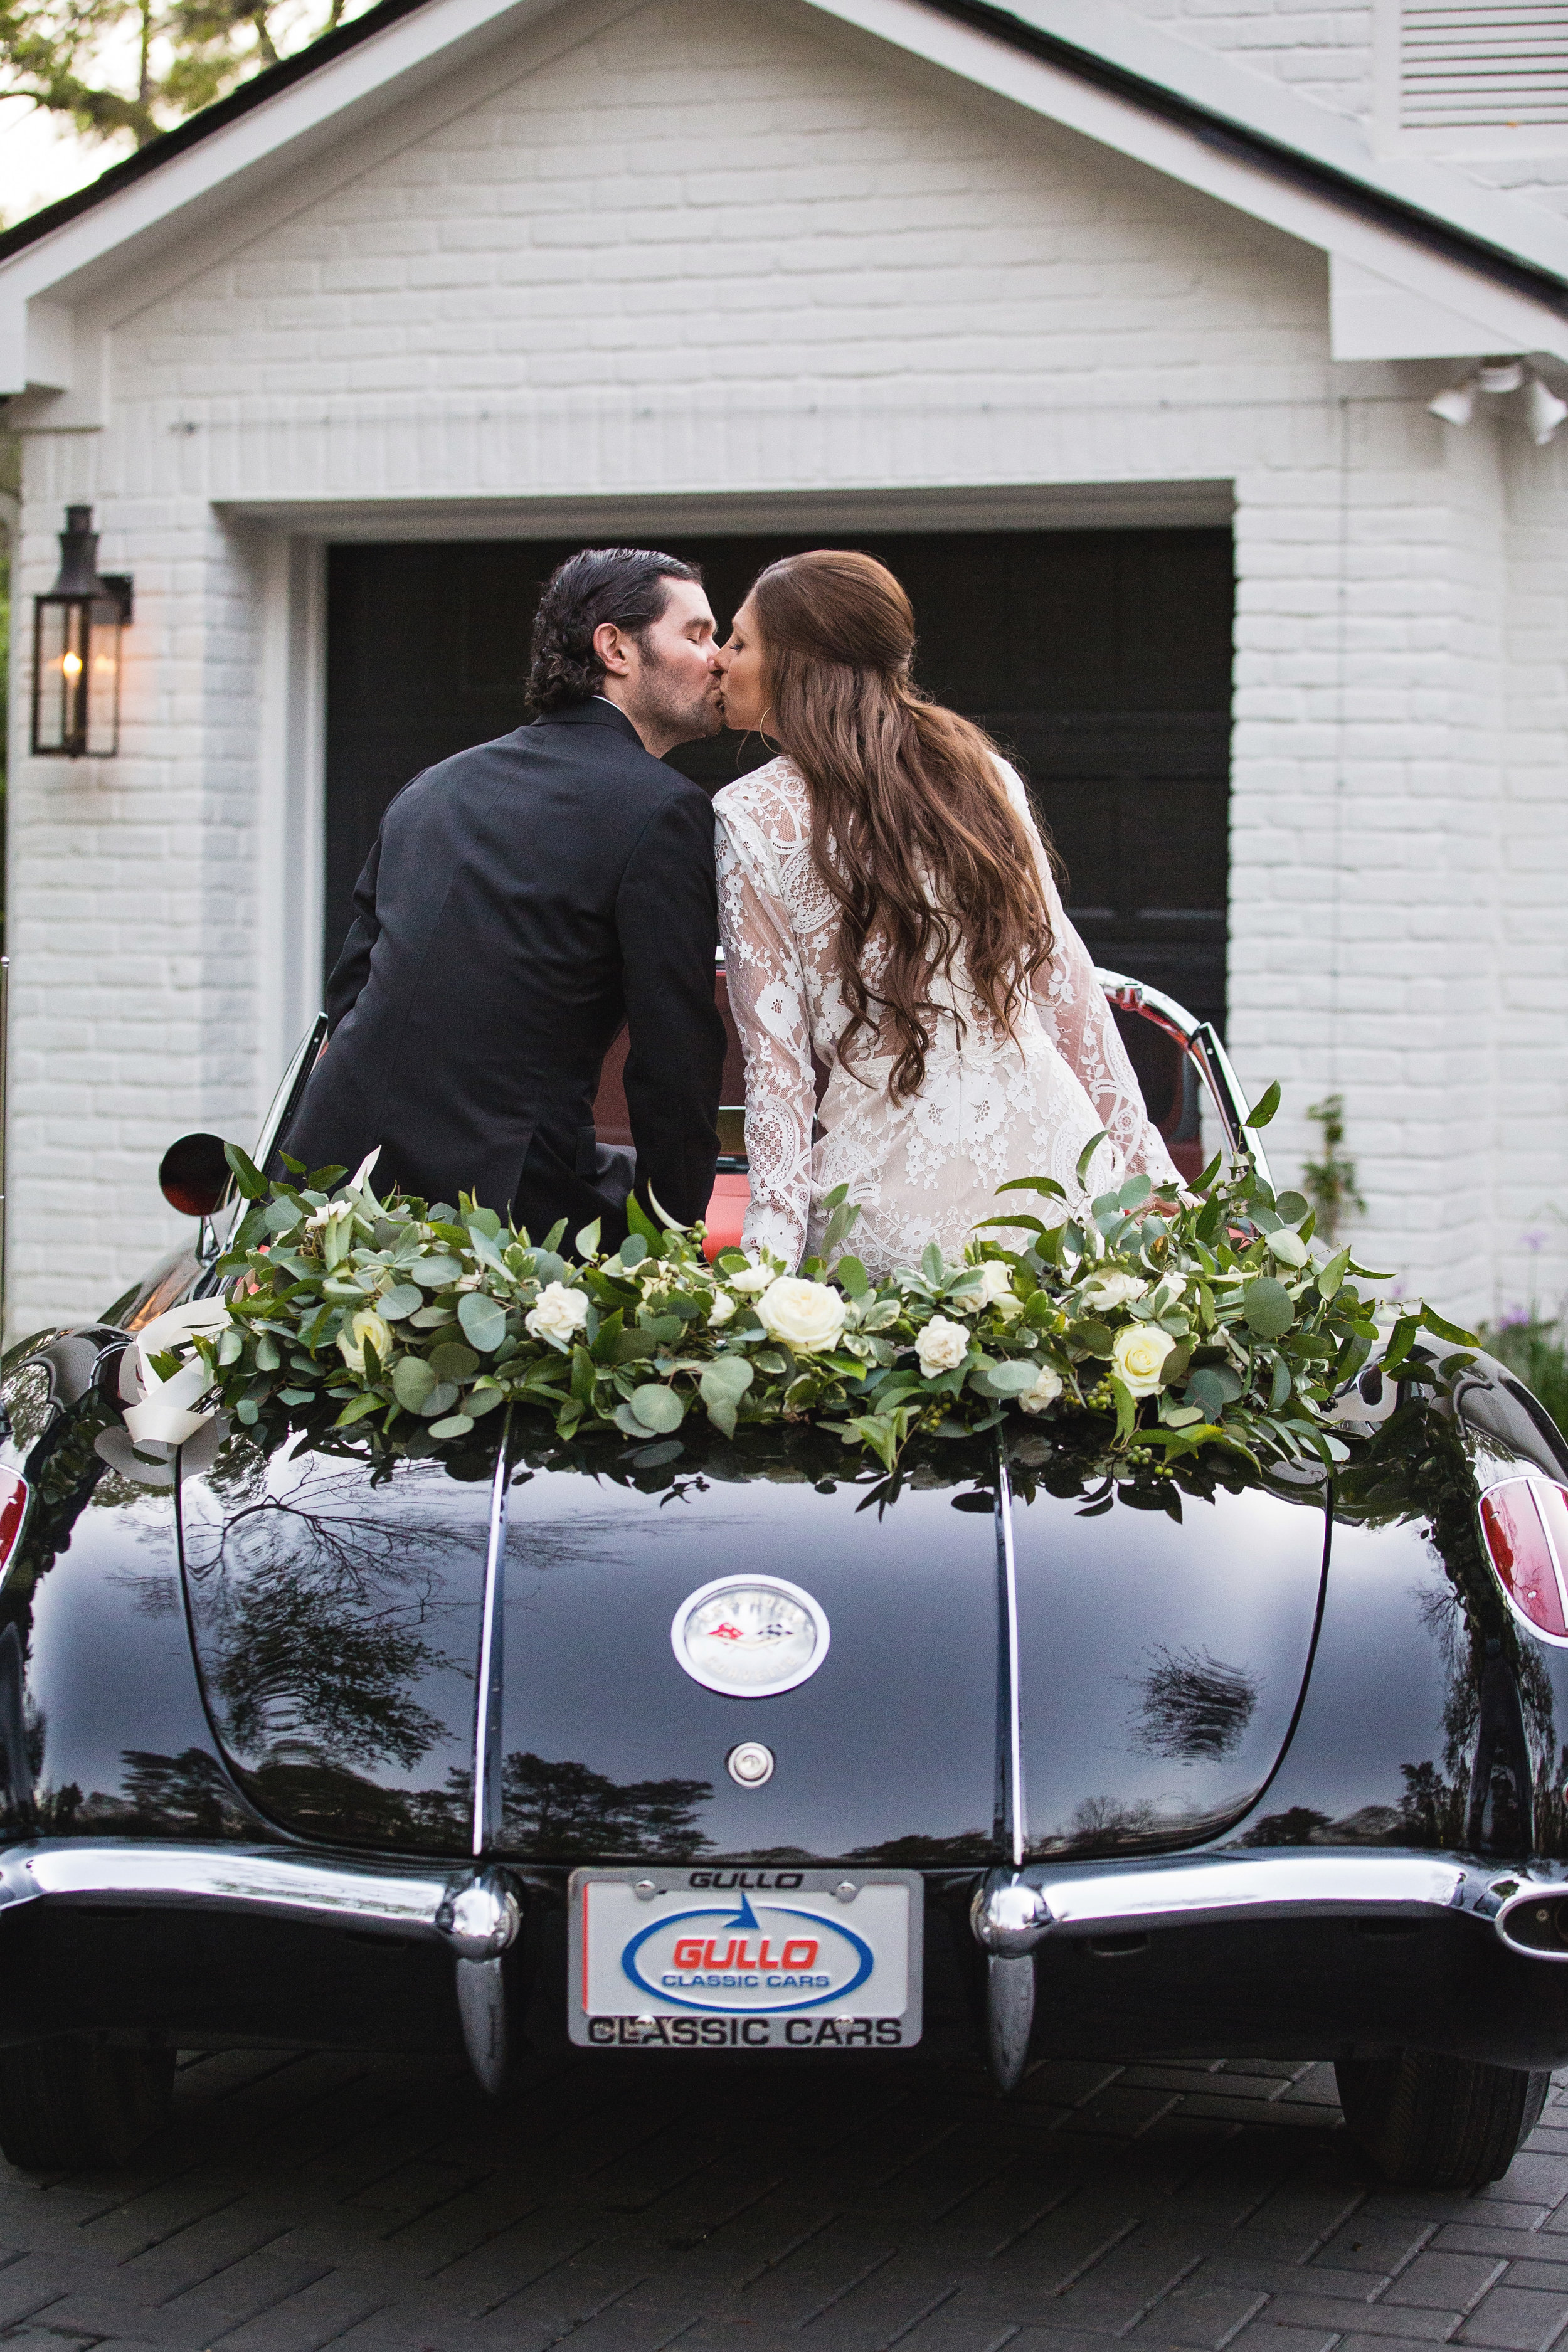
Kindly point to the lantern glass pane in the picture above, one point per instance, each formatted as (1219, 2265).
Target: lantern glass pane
(53, 692)
(100, 682)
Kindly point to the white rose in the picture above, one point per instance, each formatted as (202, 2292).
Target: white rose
(1138, 1356)
(751, 1278)
(723, 1307)
(1113, 1289)
(365, 1327)
(1044, 1394)
(559, 1315)
(941, 1345)
(806, 1315)
(995, 1284)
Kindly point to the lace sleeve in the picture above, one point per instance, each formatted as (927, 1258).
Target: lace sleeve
(1071, 1004)
(768, 998)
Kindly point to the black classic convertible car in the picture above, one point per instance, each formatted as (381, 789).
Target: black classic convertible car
(707, 1748)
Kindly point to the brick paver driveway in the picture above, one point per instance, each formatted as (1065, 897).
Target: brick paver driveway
(323, 2200)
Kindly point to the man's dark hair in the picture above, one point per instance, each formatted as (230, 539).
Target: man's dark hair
(623, 585)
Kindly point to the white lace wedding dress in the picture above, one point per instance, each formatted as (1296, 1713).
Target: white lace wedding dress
(991, 1107)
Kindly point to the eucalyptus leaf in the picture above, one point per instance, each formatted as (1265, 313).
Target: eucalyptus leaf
(435, 1272)
(1005, 1379)
(1289, 1247)
(726, 1380)
(403, 1298)
(1267, 1308)
(456, 1425)
(483, 1320)
(412, 1382)
(452, 1361)
(657, 1408)
(441, 1398)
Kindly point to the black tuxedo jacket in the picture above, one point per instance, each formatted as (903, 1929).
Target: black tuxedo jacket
(522, 900)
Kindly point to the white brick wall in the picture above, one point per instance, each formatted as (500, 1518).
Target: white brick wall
(1325, 53)
(734, 253)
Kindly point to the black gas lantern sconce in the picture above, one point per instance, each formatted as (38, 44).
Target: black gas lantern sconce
(77, 628)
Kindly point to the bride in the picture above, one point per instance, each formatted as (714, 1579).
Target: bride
(887, 904)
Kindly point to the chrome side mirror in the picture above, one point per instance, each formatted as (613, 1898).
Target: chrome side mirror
(195, 1176)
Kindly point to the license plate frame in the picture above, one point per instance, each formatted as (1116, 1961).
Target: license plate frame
(830, 1998)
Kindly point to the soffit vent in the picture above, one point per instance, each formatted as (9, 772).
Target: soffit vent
(1472, 63)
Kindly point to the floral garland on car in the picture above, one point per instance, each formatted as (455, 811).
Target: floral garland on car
(1157, 1323)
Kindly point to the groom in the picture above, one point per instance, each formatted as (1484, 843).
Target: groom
(524, 900)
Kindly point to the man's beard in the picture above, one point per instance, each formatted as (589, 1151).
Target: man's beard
(683, 712)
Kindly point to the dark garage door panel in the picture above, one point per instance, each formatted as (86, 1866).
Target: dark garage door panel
(1100, 660)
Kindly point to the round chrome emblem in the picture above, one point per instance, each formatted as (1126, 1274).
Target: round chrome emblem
(750, 1637)
(751, 1763)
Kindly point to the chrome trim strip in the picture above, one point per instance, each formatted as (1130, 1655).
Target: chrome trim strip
(271, 1882)
(1201, 1042)
(1014, 1912)
(1017, 1825)
(487, 1710)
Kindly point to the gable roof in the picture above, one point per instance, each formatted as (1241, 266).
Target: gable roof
(1495, 273)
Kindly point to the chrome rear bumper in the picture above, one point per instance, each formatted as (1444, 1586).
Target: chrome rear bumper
(473, 1912)
(1014, 1912)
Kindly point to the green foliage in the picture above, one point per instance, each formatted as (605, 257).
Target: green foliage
(1145, 1329)
(1535, 1350)
(1331, 1181)
(131, 69)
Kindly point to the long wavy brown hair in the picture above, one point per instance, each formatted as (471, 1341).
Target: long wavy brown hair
(911, 830)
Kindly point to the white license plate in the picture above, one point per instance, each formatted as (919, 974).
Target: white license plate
(745, 1959)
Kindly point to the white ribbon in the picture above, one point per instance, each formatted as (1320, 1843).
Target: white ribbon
(160, 1410)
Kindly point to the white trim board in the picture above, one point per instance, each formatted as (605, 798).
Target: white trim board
(1024, 506)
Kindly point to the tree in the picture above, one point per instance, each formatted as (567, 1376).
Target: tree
(133, 68)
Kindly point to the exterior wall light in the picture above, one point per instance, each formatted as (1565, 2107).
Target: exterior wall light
(1543, 412)
(76, 627)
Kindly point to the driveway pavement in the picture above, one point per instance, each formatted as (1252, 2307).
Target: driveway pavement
(298, 2201)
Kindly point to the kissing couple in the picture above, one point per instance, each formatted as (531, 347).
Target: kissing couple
(888, 912)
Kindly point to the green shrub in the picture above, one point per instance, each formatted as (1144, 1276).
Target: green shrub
(1535, 1349)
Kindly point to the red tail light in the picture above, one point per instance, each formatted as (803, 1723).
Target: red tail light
(13, 1511)
(1525, 1522)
